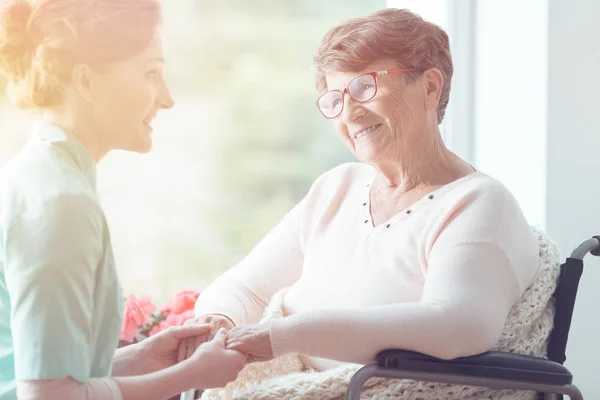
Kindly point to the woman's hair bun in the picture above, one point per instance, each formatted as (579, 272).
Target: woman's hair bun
(16, 44)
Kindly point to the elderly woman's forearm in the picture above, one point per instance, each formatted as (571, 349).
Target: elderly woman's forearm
(243, 292)
(359, 335)
(232, 299)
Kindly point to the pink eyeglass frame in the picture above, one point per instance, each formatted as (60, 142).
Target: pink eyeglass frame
(373, 74)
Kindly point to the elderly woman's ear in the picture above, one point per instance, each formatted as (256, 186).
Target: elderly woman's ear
(433, 81)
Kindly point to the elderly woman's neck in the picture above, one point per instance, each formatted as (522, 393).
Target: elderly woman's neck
(431, 165)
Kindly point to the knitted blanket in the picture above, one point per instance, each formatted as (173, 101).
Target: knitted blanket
(526, 331)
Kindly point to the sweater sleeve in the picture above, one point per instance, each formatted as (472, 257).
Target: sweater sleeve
(243, 292)
(477, 268)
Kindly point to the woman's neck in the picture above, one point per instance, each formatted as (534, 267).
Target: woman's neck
(427, 164)
(402, 182)
(76, 127)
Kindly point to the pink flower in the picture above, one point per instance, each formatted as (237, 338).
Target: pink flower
(183, 301)
(129, 331)
(172, 320)
(156, 329)
(147, 308)
(137, 313)
(189, 314)
(176, 311)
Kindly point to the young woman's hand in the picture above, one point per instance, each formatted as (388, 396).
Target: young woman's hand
(161, 350)
(214, 364)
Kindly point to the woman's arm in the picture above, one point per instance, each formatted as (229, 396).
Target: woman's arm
(477, 268)
(212, 365)
(468, 295)
(68, 388)
(127, 362)
(159, 385)
(243, 292)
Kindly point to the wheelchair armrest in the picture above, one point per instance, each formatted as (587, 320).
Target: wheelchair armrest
(492, 364)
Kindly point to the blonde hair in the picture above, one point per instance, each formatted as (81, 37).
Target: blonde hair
(41, 41)
(396, 34)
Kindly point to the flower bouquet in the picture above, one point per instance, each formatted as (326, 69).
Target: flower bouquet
(142, 318)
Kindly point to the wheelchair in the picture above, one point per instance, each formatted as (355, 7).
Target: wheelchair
(493, 369)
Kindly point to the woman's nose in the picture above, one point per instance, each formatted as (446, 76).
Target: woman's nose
(352, 109)
(165, 99)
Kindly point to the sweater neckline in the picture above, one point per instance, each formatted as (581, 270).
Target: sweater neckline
(422, 202)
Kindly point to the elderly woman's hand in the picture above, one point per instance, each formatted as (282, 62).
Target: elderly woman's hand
(254, 340)
(215, 322)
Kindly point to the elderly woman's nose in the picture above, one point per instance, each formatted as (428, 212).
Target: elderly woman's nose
(352, 110)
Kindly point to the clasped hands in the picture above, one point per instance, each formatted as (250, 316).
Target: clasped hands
(211, 346)
(252, 340)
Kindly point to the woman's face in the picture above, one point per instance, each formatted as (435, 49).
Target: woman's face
(385, 127)
(125, 99)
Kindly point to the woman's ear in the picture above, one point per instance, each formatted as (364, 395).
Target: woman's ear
(82, 77)
(433, 88)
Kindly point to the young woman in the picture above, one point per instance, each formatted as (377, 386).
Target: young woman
(93, 73)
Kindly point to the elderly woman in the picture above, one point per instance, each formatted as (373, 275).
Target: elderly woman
(410, 248)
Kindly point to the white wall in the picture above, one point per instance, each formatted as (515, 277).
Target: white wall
(510, 98)
(535, 125)
(573, 167)
(537, 113)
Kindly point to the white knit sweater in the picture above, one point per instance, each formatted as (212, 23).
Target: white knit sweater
(440, 275)
(526, 331)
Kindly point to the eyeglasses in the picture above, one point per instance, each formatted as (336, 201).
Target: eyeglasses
(361, 89)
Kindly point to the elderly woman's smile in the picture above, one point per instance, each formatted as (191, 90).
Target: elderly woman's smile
(365, 133)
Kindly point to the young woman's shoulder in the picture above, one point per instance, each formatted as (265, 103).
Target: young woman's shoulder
(36, 184)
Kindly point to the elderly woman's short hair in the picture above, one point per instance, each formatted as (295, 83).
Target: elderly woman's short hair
(390, 33)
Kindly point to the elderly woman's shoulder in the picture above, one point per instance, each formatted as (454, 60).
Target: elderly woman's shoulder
(483, 183)
(488, 191)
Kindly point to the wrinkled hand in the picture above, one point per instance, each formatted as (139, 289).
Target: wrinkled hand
(214, 364)
(161, 350)
(215, 323)
(253, 340)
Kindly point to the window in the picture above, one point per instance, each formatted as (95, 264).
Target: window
(241, 147)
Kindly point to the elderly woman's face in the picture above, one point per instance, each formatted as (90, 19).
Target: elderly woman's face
(379, 129)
